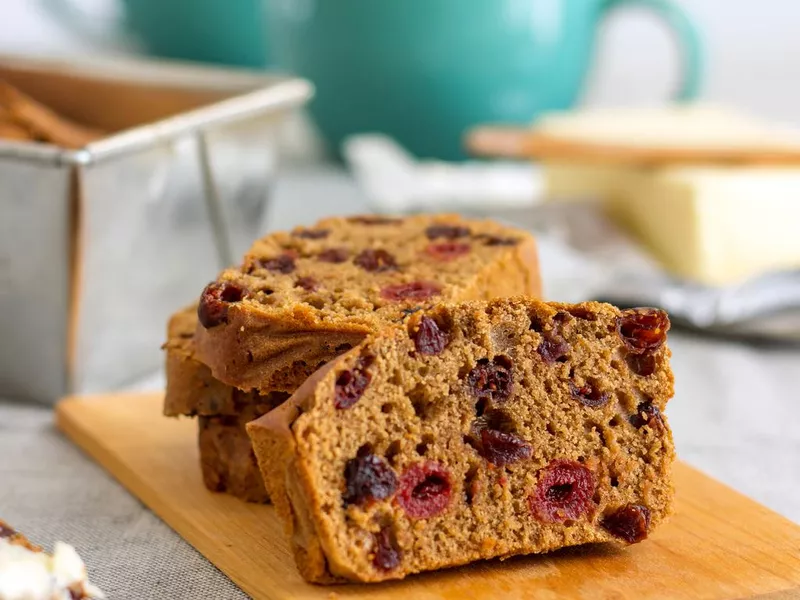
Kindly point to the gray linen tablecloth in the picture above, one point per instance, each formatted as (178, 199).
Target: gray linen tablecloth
(736, 415)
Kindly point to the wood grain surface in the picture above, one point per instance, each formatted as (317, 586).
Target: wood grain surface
(719, 544)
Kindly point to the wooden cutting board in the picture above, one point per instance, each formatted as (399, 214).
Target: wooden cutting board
(718, 545)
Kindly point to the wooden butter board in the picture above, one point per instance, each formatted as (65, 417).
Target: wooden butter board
(718, 545)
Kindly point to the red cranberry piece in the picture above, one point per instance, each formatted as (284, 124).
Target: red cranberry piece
(414, 291)
(447, 251)
(387, 554)
(311, 234)
(368, 478)
(629, 523)
(333, 255)
(643, 365)
(491, 381)
(424, 490)
(564, 492)
(374, 220)
(503, 448)
(375, 261)
(350, 385)
(493, 240)
(552, 348)
(647, 413)
(588, 395)
(429, 339)
(308, 283)
(643, 329)
(213, 307)
(448, 232)
(281, 264)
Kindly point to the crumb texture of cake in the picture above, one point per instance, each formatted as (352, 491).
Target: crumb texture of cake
(478, 430)
(303, 297)
(29, 573)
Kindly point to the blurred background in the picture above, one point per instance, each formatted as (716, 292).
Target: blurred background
(652, 145)
(635, 58)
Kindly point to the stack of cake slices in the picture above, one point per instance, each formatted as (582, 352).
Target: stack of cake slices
(397, 389)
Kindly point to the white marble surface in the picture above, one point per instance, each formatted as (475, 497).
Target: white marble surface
(735, 415)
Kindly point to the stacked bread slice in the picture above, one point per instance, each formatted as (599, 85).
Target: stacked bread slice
(437, 412)
(303, 297)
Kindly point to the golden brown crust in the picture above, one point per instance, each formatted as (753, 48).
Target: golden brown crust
(628, 449)
(192, 389)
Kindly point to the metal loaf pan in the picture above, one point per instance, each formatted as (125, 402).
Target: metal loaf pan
(98, 246)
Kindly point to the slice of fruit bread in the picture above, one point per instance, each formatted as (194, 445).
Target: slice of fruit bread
(478, 430)
(303, 297)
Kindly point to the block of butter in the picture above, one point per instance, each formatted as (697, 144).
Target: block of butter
(714, 224)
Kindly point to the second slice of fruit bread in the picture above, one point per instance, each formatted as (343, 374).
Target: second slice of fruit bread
(477, 430)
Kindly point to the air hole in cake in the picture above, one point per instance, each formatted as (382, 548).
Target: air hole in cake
(480, 407)
(582, 313)
(396, 378)
(421, 402)
(249, 356)
(387, 408)
(614, 481)
(392, 452)
(602, 435)
(316, 302)
(424, 445)
(617, 365)
(327, 508)
(560, 318)
(471, 484)
(537, 324)
(551, 429)
(309, 432)
(342, 348)
(615, 421)
(647, 413)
